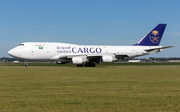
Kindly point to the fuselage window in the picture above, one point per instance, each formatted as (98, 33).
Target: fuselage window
(21, 44)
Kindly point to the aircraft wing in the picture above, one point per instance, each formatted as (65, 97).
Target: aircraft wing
(93, 56)
(100, 55)
(71, 56)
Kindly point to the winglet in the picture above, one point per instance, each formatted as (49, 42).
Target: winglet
(153, 38)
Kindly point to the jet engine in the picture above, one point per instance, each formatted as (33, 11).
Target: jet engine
(107, 58)
(77, 60)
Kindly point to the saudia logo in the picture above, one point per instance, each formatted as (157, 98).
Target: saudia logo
(154, 36)
(40, 47)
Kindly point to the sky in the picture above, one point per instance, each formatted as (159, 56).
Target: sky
(91, 22)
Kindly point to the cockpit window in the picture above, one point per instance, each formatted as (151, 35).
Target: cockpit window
(21, 44)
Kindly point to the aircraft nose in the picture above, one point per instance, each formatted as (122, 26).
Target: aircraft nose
(13, 53)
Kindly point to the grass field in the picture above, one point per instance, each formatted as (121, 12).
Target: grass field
(100, 89)
(102, 64)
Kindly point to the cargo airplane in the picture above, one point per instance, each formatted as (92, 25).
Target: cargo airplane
(88, 55)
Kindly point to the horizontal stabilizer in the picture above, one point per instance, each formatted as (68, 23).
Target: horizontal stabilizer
(159, 48)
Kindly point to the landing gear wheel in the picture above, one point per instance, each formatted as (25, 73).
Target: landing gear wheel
(89, 65)
(79, 65)
(26, 65)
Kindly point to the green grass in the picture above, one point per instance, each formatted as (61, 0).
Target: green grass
(36, 64)
(102, 64)
(103, 89)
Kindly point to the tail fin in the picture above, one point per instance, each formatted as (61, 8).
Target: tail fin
(153, 38)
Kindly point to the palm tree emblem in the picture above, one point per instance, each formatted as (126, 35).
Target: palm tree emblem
(153, 36)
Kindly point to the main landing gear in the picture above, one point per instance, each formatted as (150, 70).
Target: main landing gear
(80, 65)
(87, 65)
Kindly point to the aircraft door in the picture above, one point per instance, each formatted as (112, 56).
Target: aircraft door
(47, 51)
(105, 50)
(46, 45)
(32, 52)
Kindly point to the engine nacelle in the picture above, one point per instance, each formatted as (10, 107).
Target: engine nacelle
(107, 58)
(77, 60)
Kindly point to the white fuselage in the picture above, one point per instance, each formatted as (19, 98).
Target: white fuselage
(49, 51)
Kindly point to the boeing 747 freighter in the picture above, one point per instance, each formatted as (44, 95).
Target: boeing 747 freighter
(88, 55)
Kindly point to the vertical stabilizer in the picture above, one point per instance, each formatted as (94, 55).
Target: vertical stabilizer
(153, 38)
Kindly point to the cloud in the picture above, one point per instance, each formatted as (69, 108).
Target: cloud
(52, 27)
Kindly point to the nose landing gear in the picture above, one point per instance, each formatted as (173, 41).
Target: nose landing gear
(26, 64)
(87, 65)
